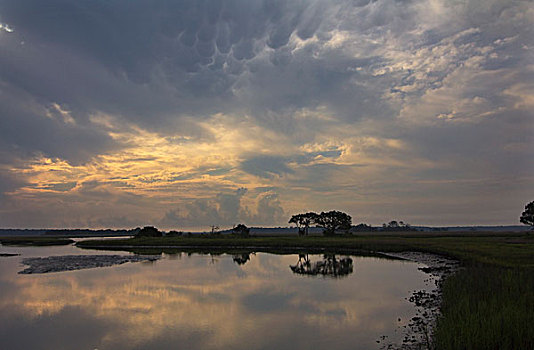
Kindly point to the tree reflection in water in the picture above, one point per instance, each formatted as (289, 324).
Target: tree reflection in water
(330, 266)
(241, 259)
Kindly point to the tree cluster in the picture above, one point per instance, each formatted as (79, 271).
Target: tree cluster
(149, 231)
(330, 221)
(363, 228)
(397, 226)
(174, 233)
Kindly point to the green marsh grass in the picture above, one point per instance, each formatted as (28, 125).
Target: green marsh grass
(487, 308)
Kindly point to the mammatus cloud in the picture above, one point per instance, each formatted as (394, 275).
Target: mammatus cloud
(136, 113)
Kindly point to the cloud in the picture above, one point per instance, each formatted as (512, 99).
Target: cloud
(177, 104)
(269, 210)
(223, 210)
(9, 182)
(29, 127)
(261, 207)
(266, 166)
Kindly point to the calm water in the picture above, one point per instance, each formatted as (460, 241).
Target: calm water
(260, 301)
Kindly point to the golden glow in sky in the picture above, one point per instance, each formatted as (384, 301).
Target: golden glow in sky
(185, 117)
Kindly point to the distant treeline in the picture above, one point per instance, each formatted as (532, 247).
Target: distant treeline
(21, 232)
(254, 230)
(89, 232)
(67, 232)
(391, 226)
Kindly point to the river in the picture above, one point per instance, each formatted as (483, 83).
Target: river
(194, 301)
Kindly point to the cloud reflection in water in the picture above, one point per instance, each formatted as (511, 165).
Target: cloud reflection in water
(201, 302)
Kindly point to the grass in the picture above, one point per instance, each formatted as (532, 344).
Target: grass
(487, 308)
(508, 250)
(489, 304)
(35, 241)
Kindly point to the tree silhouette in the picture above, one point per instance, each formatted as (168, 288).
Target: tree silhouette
(303, 222)
(332, 221)
(527, 217)
(215, 230)
(393, 225)
(241, 230)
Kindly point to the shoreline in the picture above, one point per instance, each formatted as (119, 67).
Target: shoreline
(419, 333)
(505, 250)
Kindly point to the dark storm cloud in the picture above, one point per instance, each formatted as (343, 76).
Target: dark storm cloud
(451, 82)
(158, 60)
(9, 182)
(131, 37)
(153, 62)
(29, 128)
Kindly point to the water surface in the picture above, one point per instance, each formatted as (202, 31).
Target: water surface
(257, 301)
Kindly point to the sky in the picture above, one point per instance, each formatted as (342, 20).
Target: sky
(186, 114)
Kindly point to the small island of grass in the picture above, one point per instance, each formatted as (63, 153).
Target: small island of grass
(35, 241)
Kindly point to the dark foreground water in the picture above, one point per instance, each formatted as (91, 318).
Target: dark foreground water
(257, 301)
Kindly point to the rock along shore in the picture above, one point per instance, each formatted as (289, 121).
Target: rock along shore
(418, 333)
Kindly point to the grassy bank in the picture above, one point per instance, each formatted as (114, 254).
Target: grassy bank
(35, 241)
(510, 250)
(487, 305)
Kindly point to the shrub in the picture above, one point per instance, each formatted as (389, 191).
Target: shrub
(149, 231)
(241, 230)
